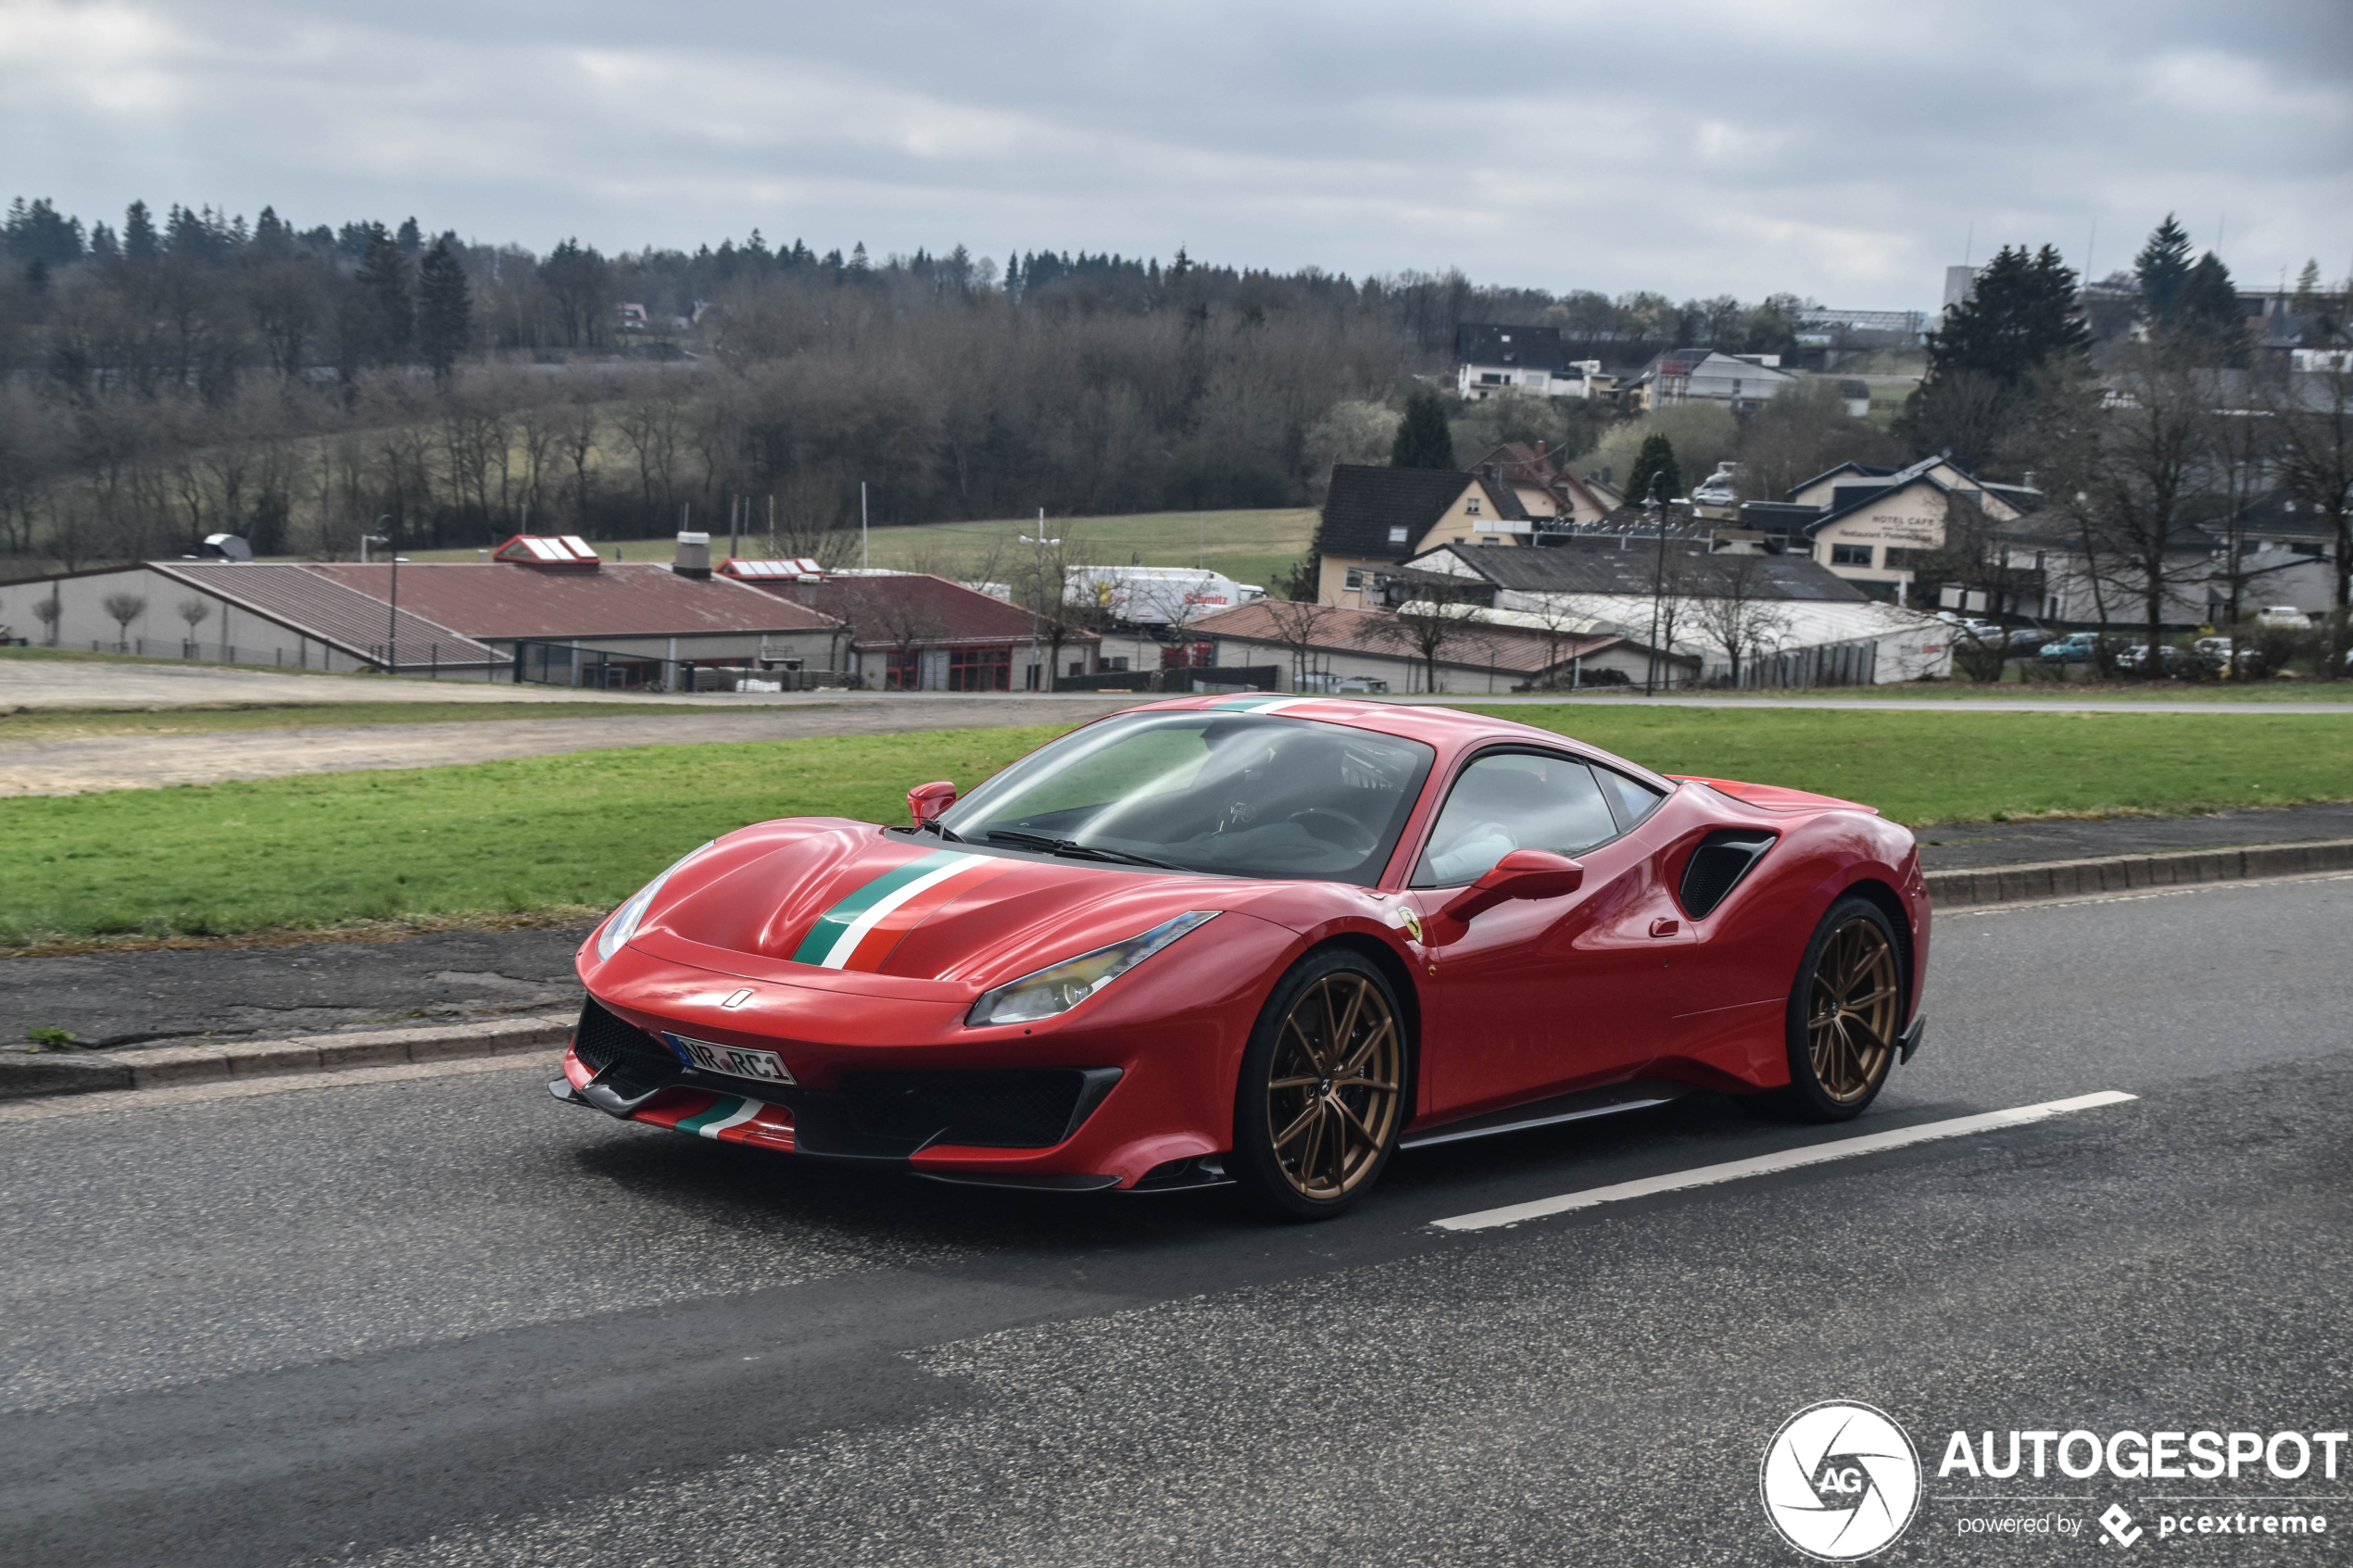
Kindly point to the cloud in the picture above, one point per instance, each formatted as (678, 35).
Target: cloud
(1842, 149)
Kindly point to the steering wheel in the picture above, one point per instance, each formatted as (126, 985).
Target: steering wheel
(1335, 827)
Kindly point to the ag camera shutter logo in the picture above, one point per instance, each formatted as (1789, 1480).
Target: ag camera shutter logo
(1840, 1481)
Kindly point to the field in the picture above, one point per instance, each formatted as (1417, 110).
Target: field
(1248, 546)
(549, 837)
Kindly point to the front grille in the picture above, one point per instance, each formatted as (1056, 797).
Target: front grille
(1033, 1108)
(603, 1040)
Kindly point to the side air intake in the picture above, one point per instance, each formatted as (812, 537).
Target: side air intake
(1716, 866)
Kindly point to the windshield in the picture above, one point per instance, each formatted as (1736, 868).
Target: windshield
(1231, 792)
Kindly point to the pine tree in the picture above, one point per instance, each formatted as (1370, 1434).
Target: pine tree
(444, 309)
(2163, 267)
(2022, 317)
(1423, 440)
(411, 239)
(1654, 473)
(388, 320)
(2308, 287)
(2210, 328)
(139, 233)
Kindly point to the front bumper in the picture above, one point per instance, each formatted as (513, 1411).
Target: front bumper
(1043, 1116)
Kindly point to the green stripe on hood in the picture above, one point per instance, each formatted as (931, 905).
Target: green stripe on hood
(842, 916)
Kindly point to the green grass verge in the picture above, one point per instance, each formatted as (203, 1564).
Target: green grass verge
(1975, 767)
(537, 836)
(39, 724)
(491, 839)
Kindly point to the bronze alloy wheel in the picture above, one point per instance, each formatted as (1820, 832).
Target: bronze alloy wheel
(1332, 1097)
(1851, 1013)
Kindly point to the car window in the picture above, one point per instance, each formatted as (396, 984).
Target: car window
(1209, 791)
(1630, 798)
(1513, 800)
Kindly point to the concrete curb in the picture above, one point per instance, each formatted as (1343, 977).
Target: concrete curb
(66, 1072)
(2125, 874)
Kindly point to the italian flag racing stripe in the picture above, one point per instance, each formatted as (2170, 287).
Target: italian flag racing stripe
(841, 931)
(724, 1118)
(874, 947)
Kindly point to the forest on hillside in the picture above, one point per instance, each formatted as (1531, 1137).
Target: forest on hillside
(190, 373)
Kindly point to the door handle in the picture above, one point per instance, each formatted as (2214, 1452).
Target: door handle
(1665, 927)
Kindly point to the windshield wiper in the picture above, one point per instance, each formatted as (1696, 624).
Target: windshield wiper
(1076, 850)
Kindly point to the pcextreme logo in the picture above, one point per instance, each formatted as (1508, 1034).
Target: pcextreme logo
(1840, 1480)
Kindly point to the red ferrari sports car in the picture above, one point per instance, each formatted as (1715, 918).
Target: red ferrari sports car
(1264, 940)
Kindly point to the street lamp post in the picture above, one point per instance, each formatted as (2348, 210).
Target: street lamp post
(392, 616)
(1038, 605)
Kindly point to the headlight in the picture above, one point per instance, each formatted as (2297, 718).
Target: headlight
(624, 923)
(1071, 982)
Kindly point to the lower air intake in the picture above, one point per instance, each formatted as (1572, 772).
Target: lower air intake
(1020, 1109)
(603, 1040)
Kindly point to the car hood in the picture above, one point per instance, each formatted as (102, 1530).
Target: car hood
(824, 901)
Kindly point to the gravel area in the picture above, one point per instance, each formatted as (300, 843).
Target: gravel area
(102, 762)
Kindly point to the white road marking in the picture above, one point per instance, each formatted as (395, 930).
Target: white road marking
(1788, 1160)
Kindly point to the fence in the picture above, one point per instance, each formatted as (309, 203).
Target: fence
(1180, 681)
(415, 660)
(1822, 664)
(561, 664)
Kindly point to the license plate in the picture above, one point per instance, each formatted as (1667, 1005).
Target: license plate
(734, 1061)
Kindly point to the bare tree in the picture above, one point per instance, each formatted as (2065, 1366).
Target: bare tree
(1729, 606)
(2314, 414)
(2136, 471)
(193, 610)
(1299, 624)
(122, 609)
(46, 611)
(1432, 625)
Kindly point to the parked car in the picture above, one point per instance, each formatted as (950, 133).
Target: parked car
(1261, 940)
(2283, 618)
(2215, 653)
(2074, 649)
(1716, 489)
(2169, 656)
(2025, 639)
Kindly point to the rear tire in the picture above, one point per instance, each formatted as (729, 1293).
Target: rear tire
(1321, 1097)
(1845, 1014)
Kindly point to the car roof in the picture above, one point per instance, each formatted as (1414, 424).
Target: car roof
(1449, 729)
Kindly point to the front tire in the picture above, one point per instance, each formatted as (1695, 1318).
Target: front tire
(1845, 1014)
(1320, 1100)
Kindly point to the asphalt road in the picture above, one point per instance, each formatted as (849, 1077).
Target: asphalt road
(447, 1321)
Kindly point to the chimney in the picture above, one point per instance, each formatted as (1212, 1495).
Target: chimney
(694, 555)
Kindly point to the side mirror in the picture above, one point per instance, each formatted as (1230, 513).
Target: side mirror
(927, 801)
(1523, 873)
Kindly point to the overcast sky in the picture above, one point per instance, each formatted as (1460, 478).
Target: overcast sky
(1845, 149)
